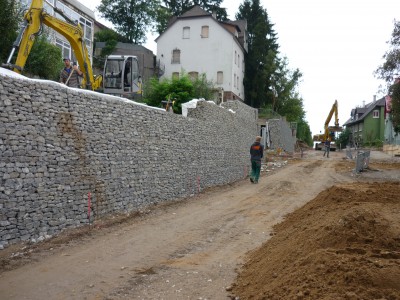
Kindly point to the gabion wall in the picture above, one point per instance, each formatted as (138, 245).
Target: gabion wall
(281, 135)
(58, 144)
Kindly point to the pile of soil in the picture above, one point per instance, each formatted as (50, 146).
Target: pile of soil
(344, 244)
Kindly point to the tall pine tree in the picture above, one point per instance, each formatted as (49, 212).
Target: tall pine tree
(261, 59)
(9, 18)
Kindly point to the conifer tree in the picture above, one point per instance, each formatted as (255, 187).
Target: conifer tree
(8, 26)
(261, 59)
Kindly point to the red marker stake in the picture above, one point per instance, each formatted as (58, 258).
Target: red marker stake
(89, 207)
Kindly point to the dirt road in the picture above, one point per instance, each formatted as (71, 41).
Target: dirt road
(186, 250)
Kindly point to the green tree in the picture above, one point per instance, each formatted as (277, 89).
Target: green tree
(304, 132)
(44, 60)
(163, 16)
(262, 58)
(395, 109)
(389, 70)
(131, 18)
(203, 88)
(391, 65)
(110, 38)
(179, 7)
(344, 138)
(9, 18)
(286, 100)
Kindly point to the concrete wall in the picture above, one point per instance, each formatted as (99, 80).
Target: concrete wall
(58, 144)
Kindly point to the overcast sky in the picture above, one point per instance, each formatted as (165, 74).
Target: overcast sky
(336, 44)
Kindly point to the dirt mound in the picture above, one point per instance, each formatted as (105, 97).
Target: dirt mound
(344, 244)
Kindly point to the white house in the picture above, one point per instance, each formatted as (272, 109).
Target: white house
(197, 43)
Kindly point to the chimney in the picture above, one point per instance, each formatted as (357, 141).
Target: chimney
(374, 98)
(214, 14)
(363, 103)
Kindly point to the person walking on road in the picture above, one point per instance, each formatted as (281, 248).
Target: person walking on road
(256, 154)
(327, 147)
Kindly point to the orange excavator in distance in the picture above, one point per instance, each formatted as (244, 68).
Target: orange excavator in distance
(329, 131)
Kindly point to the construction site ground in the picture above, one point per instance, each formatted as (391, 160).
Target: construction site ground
(311, 229)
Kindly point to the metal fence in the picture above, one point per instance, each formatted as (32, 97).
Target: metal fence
(362, 160)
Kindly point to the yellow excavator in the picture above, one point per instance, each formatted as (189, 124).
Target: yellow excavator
(120, 71)
(329, 131)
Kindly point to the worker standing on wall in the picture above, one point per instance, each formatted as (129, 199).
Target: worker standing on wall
(70, 74)
(327, 147)
(256, 154)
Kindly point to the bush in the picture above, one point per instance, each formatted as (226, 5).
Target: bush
(45, 60)
(375, 143)
(343, 138)
(179, 90)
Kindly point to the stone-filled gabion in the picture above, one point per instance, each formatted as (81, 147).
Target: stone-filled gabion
(281, 135)
(58, 144)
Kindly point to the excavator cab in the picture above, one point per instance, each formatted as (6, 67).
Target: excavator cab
(121, 76)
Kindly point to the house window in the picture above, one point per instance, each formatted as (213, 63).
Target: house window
(375, 114)
(176, 56)
(87, 28)
(360, 126)
(186, 32)
(234, 80)
(87, 25)
(235, 58)
(175, 75)
(238, 60)
(220, 77)
(204, 31)
(65, 47)
(194, 75)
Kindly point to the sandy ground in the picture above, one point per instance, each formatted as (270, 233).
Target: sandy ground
(199, 248)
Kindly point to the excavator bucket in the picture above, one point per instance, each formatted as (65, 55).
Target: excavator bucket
(335, 128)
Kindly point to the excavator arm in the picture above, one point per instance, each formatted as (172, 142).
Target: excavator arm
(34, 18)
(328, 129)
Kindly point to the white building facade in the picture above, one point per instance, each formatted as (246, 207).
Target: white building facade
(197, 43)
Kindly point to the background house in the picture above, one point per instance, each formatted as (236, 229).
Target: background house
(367, 123)
(197, 43)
